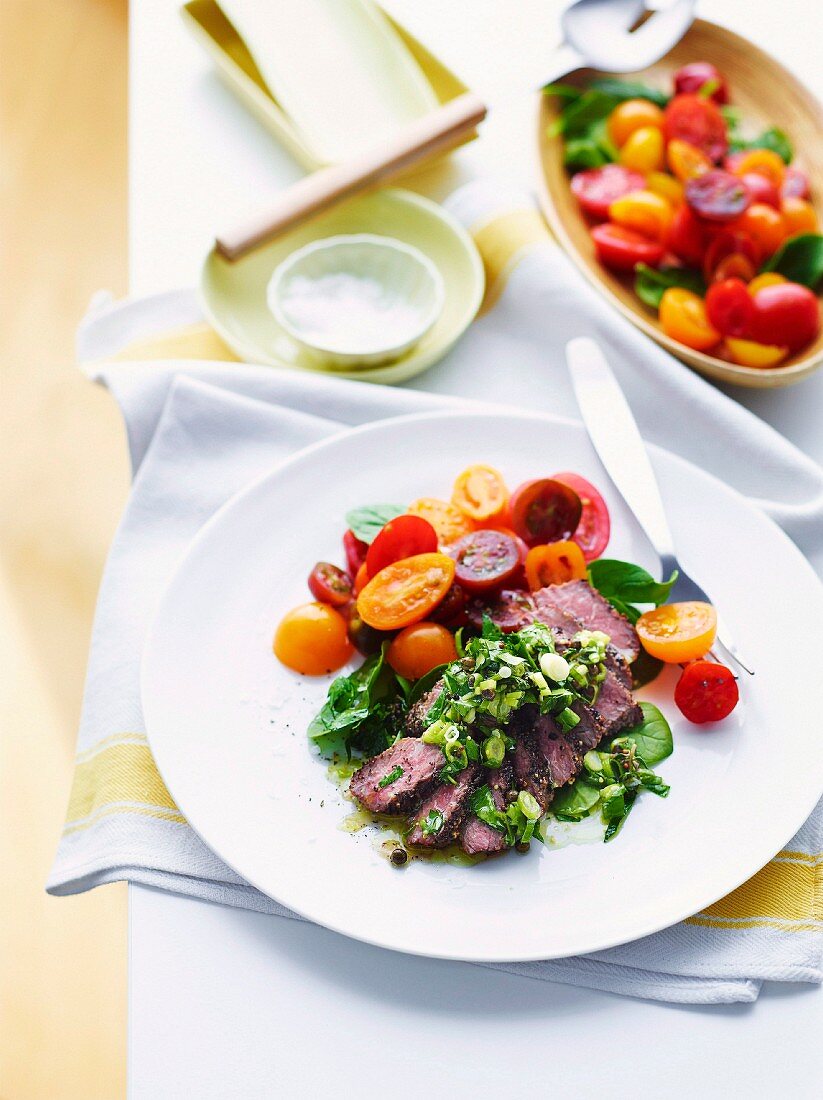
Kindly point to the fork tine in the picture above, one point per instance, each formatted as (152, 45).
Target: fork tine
(724, 639)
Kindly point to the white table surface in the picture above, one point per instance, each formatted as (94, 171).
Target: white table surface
(227, 1003)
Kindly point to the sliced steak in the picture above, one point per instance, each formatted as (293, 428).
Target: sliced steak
(582, 602)
(451, 800)
(617, 664)
(563, 756)
(478, 838)
(420, 765)
(510, 610)
(560, 621)
(531, 764)
(615, 706)
(416, 717)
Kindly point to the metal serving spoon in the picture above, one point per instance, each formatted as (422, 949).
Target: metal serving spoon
(598, 34)
(619, 445)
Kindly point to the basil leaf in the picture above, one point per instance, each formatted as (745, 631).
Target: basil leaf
(578, 116)
(581, 153)
(800, 259)
(773, 139)
(575, 801)
(367, 522)
(652, 736)
(650, 284)
(621, 90)
(622, 583)
(424, 684)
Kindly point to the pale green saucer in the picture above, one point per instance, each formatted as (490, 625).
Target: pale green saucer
(234, 294)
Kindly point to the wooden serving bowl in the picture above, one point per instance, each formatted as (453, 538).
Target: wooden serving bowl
(767, 95)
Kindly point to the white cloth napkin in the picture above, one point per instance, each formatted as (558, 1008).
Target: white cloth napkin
(199, 432)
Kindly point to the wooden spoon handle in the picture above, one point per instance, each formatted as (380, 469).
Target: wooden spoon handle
(434, 133)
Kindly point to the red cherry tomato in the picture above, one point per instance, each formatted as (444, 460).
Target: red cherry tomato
(622, 249)
(355, 550)
(727, 243)
(593, 530)
(545, 510)
(717, 196)
(510, 610)
(795, 184)
(691, 78)
(597, 188)
(733, 161)
(761, 189)
(485, 560)
(706, 692)
(730, 307)
(787, 315)
(688, 237)
(698, 122)
(402, 537)
(735, 266)
(330, 585)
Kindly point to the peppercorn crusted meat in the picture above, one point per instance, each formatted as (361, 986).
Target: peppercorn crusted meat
(585, 603)
(380, 790)
(476, 837)
(416, 717)
(437, 823)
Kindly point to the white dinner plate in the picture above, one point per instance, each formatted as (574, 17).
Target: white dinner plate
(226, 722)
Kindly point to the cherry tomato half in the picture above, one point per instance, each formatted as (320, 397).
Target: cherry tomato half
(678, 632)
(330, 585)
(313, 639)
(597, 188)
(764, 225)
(761, 188)
(622, 249)
(630, 116)
(706, 692)
(643, 211)
(355, 550)
(795, 182)
(420, 648)
(510, 609)
(735, 266)
(485, 560)
(480, 492)
(729, 242)
(799, 216)
(730, 307)
(451, 611)
(555, 563)
(697, 121)
(446, 518)
(717, 196)
(748, 353)
(645, 150)
(545, 510)
(785, 314)
(763, 161)
(405, 592)
(688, 238)
(402, 537)
(683, 317)
(593, 530)
(686, 161)
(692, 78)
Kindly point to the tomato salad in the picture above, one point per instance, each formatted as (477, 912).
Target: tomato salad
(718, 230)
(419, 578)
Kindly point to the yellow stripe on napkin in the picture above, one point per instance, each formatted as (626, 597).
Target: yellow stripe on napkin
(787, 893)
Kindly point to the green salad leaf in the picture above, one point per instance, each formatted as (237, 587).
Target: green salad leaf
(650, 284)
(800, 259)
(621, 90)
(576, 800)
(425, 683)
(366, 522)
(652, 736)
(625, 585)
(773, 138)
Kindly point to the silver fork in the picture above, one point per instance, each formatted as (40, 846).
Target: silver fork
(617, 440)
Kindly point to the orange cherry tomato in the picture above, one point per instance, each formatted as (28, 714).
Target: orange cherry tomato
(405, 592)
(420, 648)
(683, 317)
(764, 225)
(687, 160)
(748, 353)
(678, 632)
(644, 150)
(764, 162)
(554, 563)
(734, 266)
(768, 278)
(630, 116)
(361, 580)
(799, 216)
(667, 186)
(313, 639)
(480, 492)
(643, 211)
(446, 518)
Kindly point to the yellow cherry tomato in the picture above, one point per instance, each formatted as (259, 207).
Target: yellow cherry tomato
(687, 160)
(634, 114)
(644, 150)
(683, 317)
(768, 278)
(480, 492)
(678, 632)
(644, 212)
(446, 518)
(748, 353)
(667, 186)
(799, 216)
(420, 648)
(765, 162)
(313, 639)
(764, 225)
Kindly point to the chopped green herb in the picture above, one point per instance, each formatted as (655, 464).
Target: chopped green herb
(432, 823)
(392, 777)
